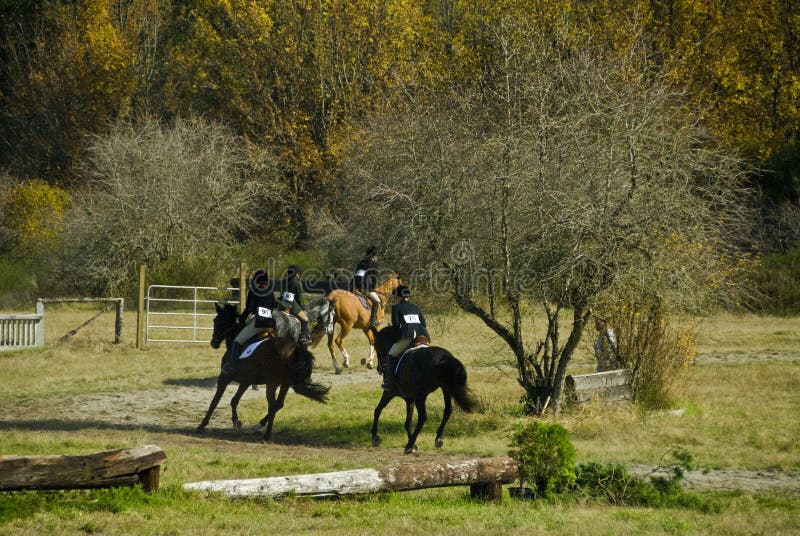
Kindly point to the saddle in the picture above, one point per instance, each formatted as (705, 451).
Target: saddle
(420, 340)
(366, 303)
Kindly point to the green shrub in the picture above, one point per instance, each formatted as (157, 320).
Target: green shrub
(613, 483)
(654, 350)
(545, 456)
(17, 282)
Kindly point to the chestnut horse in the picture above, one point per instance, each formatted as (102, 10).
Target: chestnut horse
(349, 313)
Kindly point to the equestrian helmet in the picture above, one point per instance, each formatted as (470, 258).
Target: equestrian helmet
(402, 291)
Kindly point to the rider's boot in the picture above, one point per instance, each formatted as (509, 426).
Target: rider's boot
(231, 366)
(305, 333)
(373, 318)
(388, 374)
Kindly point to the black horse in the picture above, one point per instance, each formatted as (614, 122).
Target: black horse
(278, 363)
(419, 373)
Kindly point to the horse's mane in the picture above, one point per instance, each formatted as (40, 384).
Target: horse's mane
(384, 339)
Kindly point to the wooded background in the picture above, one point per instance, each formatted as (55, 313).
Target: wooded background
(282, 89)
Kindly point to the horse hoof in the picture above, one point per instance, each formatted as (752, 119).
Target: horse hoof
(200, 429)
(237, 424)
(369, 366)
(364, 361)
(376, 441)
(346, 364)
(337, 371)
(439, 442)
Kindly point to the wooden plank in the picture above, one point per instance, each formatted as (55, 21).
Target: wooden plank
(485, 477)
(608, 386)
(104, 469)
(597, 380)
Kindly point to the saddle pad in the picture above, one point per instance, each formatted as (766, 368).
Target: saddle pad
(251, 348)
(364, 302)
(409, 350)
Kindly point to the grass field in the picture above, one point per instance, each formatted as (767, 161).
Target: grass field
(89, 395)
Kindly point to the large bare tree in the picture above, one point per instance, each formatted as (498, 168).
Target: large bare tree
(567, 176)
(164, 192)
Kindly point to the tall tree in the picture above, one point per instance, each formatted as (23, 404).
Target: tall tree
(566, 179)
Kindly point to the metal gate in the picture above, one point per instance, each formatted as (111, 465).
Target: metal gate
(183, 314)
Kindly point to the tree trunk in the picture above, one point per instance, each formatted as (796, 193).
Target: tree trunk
(482, 475)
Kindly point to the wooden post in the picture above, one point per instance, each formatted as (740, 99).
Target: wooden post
(140, 315)
(120, 308)
(242, 286)
(40, 325)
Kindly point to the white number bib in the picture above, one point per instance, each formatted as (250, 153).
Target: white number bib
(411, 319)
(264, 312)
(360, 273)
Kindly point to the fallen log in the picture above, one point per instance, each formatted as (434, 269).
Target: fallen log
(123, 467)
(485, 476)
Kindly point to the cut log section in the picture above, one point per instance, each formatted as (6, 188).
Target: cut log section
(485, 476)
(123, 467)
(609, 386)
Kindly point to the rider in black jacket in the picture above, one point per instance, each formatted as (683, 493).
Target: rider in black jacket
(410, 324)
(257, 316)
(366, 279)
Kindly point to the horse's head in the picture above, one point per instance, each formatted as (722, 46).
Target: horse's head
(386, 286)
(224, 323)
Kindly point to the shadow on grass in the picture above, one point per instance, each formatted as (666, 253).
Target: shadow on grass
(283, 432)
(210, 382)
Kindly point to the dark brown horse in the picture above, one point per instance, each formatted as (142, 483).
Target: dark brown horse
(419, 373)
(278, 363)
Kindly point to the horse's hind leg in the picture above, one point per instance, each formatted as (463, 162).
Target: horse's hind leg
(274, 404)
(422, 416)
(371, 338)
(222, 383)
(235, 403)
(448, 409)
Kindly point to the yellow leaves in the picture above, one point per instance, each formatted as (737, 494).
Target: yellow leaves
(35, 213)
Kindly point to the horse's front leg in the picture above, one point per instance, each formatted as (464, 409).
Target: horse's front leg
(336, 367)
(371, 338)
(274, 404)
(422, 416)
(385, 398)
(222, 383)
(235, 403)
(448, 409)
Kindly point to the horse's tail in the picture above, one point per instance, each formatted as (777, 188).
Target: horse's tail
(300, 367)
(454, 379)
(314, 391)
